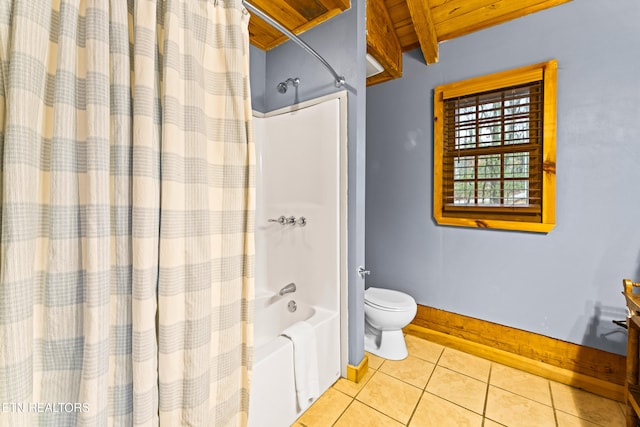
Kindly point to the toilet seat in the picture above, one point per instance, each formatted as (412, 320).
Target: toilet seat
(389, 300)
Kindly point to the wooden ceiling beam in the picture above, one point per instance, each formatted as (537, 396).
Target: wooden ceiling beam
(420, 11)
(382, 41)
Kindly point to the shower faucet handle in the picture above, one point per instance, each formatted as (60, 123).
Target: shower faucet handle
(292, 220)
(281, 220)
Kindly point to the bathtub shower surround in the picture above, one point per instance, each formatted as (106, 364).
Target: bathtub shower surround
(300, 258)
(127, 156)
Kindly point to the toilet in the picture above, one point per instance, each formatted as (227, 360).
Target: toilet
(386, 312)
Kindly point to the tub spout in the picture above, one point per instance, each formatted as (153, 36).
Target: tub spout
(291, 287)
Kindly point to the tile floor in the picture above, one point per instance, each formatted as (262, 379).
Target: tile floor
(439, 386)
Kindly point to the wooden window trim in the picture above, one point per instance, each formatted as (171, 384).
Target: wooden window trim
(545, 71)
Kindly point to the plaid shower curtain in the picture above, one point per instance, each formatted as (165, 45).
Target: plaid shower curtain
(127, 198)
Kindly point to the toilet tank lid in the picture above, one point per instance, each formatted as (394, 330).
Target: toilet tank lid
(389, 298)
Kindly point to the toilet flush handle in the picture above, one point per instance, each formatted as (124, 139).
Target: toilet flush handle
(362, 272)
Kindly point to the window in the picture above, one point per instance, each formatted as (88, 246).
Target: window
(494, 150)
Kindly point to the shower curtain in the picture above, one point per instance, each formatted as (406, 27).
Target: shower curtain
(127, 188)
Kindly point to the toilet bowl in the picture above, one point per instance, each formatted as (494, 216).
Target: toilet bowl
(386, 312)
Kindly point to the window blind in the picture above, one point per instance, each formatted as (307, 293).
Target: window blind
(492, 153)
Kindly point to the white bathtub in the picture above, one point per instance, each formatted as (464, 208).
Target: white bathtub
(273, 395)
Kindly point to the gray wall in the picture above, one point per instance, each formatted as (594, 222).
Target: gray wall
(565, 284)
(341, 41)
(257, 73)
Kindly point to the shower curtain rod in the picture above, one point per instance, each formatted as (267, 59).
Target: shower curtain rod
(339, 79)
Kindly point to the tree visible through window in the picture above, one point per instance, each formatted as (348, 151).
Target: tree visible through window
(495, 150)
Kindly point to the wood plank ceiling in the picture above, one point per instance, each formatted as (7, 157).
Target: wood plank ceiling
(295, 15)
(394, 26)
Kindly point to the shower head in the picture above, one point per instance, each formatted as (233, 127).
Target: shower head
(283, 86)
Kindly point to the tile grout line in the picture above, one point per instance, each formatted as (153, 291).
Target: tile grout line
(353, 399)
(424, 389)
(486, 395)
(374, 408)
(553, 403)
(383, 413)
(523, 396)
(344, 410)
(416, 407)
(465, 375)
(380, 412)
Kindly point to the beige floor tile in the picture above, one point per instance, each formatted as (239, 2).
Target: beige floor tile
(326, 410)
(423, 349)
(374, 361)
(411, 370)
(390, 392)
(567, 420)
(458, 388)
(360, 415)
(434, 411)
(465, 363)
(491, 423)
(522, 383)
(588, 406)
(623, 407)
(351, 388)
(390, 396)
(516, 411)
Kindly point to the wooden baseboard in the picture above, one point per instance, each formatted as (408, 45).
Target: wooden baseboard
(356, 373)
(594, 370)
